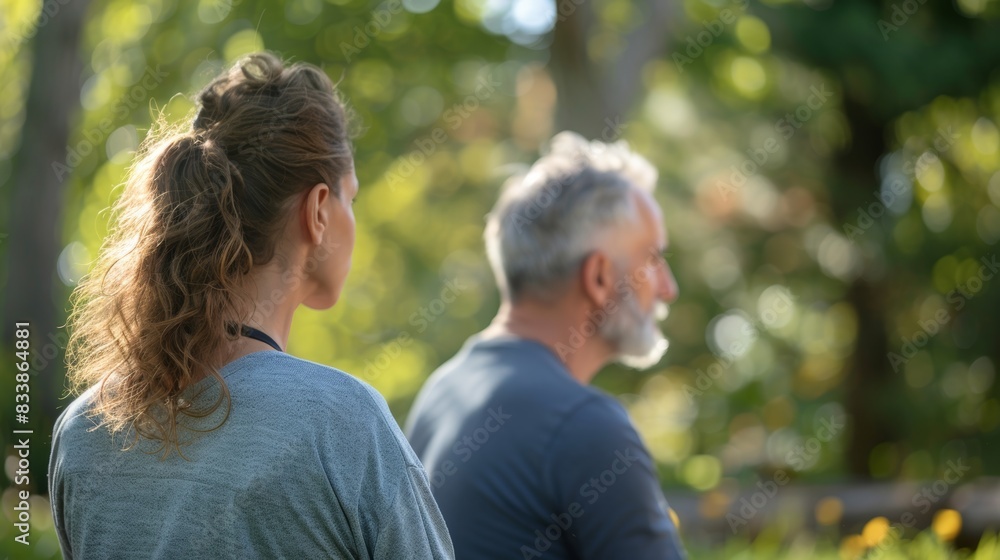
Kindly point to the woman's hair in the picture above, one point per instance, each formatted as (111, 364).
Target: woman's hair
(200, 209)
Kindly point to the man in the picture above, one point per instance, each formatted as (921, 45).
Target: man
(525, 459)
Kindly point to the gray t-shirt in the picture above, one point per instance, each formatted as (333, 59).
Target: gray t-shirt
(309, 464)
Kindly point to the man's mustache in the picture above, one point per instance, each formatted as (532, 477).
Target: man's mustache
(661, 310)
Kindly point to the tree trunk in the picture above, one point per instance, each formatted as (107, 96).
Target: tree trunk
(33, 293)
(595, 100)
(868, 375)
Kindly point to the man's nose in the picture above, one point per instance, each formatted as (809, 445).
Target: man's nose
(667, 285)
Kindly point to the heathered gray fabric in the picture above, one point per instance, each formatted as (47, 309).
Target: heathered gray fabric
(310, 464)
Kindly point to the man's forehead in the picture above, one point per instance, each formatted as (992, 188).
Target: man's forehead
(651, 216)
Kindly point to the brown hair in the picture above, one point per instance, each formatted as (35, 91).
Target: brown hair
(200, 209)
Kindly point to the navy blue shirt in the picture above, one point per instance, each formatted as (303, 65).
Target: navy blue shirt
(525, 462)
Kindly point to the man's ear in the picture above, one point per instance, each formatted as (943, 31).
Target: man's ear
(315, 215)
(597, 275)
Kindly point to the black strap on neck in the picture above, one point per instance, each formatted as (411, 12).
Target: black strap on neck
(251, 332)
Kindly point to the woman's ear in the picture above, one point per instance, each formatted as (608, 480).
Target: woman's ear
(315, 215)
(597, 278)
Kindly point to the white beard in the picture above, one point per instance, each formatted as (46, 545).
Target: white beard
(635, 336)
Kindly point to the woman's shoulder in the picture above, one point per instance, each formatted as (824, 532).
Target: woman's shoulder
(269, 390)
(77, 415)
(352, 414)
(303, 387)
(287, 373)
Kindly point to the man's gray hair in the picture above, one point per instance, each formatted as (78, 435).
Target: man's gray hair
(549, 219)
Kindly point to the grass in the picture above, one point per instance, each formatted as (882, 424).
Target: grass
(876, 542)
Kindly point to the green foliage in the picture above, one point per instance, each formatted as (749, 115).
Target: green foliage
(43, 542)
(924, 546)
(770, 545)
(778, 140)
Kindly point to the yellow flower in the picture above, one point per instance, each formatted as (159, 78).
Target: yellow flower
(829, 510)
(946, 524)
(852, 547)
(875, 530)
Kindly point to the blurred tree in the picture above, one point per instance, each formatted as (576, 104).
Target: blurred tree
(597, 89)
(891, 57)
(37, 198)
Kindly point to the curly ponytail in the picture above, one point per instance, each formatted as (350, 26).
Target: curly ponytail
(199, 211)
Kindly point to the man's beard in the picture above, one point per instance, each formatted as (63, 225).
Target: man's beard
(634, 335)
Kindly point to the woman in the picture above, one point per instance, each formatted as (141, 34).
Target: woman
(197, 436)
